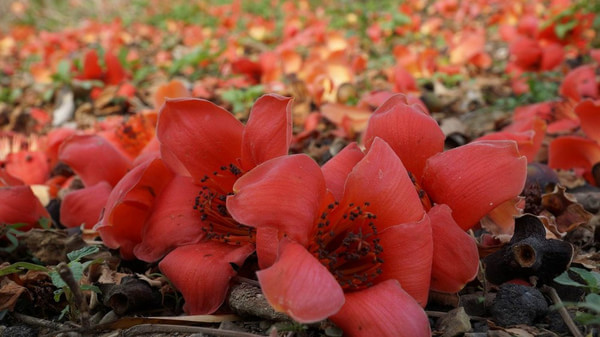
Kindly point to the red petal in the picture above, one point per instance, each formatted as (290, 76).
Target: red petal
(20, 205)
(574, 152)
(7, 179)
(130, 204)
(91, 66)
(173, 89)
(202, 136)
(529, 142)
(268, 132)
(525, 51)
(267, 245)
(580, 83)
(384, 310)
(407, 257)
(174, 221)
(29, 166)
(202, 272)
(336, 170)
(552, 55)
(455, 255)
(285, 193)
(94, 159)
(475, 178)
(412, 134)
(381, 180)
(84, 206)
(299, 285)
(589, 114)
(115, 73)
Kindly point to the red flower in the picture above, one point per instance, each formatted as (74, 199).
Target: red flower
(99, 165)
(352, 230)
(153, 211)
(575, 152)
(20, 206)
(472, 180)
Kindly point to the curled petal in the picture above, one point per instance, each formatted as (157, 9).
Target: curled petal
(202, 136)
(299, 285)
(501, 220)
(381, 181)
(268, 132)
(202, 272)
(174, 221)
(475, 178)
(529, 142)
(412, 134)
(407, 257)
(20, 205)
(285, 193)
(589, 114)
(455, 255)
(94, 159)
(570, 152)
(84, 206)
(336, 170)
(130, 204)
(384, 310)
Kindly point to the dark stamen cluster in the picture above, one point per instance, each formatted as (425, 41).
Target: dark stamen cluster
(217, 223)
(348, 245)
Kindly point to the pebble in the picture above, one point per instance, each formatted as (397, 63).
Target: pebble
(518, 304)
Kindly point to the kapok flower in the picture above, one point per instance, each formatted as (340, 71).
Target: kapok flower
(580, 153)
(472, 180)
(176, 204)
(353, 236)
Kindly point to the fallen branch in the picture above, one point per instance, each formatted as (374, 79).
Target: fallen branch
(144, 329)
(562, 310)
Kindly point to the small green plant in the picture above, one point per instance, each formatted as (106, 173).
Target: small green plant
(242, 99)
(591, 282)
(75, 265)
(12, 233)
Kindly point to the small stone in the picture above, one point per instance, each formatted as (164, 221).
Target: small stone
(455, 323)
(518, 304)
(475, 334)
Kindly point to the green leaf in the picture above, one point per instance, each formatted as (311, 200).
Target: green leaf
(563, 29)
(56, 279)
(564, 279)
(20, 266)
(58, 293)
(77, 270)
(91, 287)
(590, 278)
(76, 255)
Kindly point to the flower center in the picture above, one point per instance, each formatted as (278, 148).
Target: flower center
(217, 223)
(347, 243)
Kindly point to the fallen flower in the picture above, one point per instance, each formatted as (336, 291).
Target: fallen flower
(340, 253)
(175, 204)
(472, 180)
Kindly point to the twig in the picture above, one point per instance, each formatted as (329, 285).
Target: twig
(67, 275)
(562, 310)
(38, 322)
(438, 314)
(144, 329)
